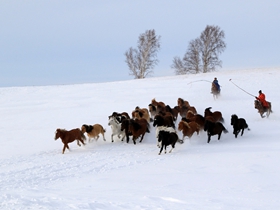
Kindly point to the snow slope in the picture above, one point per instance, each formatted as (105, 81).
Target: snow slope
(240, 173)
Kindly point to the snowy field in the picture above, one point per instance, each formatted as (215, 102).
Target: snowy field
(240, 173)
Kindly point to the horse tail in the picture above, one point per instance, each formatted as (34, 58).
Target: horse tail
(225, 130)
(148, 128)
(180, 141)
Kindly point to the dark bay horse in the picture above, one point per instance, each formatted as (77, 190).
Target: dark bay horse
(261, 109)
(214, 128)
(138, 128)
(69, 136)
(167, 120)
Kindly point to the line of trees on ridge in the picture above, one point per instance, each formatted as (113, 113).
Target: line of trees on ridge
(202, 54)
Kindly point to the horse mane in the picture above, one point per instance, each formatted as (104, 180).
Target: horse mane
(208, 109)
(186, 124)
(168, 108)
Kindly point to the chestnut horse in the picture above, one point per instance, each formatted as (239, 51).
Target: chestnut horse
(139, 113)
(184, 107)
(93, 131)
(199, 119)
(188, 129)
(217, 116)
(69, 136)
(138, 128)
(181, 102)
(157, 103)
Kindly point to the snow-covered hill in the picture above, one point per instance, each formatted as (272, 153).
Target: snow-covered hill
(240, 173)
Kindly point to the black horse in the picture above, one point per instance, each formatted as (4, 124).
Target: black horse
(214, 128)
(239, 124)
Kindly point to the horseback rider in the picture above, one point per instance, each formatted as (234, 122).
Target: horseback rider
(216, 84)
(261, 98)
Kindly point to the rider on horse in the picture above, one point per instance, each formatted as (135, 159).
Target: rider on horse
(216, 84)
(261, 98)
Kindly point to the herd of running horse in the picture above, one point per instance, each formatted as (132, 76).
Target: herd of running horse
(163, 118)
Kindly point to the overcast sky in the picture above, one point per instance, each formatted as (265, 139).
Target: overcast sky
(65, 42)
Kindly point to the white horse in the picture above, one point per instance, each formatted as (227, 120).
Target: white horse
(116, 128)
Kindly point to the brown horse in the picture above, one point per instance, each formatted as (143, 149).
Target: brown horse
(139, 113)
(215, 91)
(93, 131)
(216, 116)
(181, 102)
(261, 109)
(188, 129)
(184, 107)
(69, 136)
(199, 119)
(138, 128)
(157, 103)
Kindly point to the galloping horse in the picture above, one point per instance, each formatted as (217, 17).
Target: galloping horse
(93, 131)
(214, 128)
(239, 124)
(188, 129)
(217, 115)
(261, 109)
(138, 128)
(116, 128)
(69, 136)
(215, 91)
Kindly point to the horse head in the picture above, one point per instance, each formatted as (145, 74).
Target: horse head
(234, 119)
(58, 133)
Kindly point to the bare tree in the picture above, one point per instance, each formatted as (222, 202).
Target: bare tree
(212, 44)
(191, 60)
(203, 53)
(141, 61)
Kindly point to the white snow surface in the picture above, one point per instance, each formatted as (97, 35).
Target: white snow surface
(233, 173)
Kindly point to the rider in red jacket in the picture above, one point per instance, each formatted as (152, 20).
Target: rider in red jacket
(261, 98)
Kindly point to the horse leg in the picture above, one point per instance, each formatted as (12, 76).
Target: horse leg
(78, 143)
(161, 149)
(209, 138)
(65, 146)
(134, 139)
(219, 135)
(103, 137)
(242, 131)
(173, 146)
(142, 137)
(112, 138)
(165, 149)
